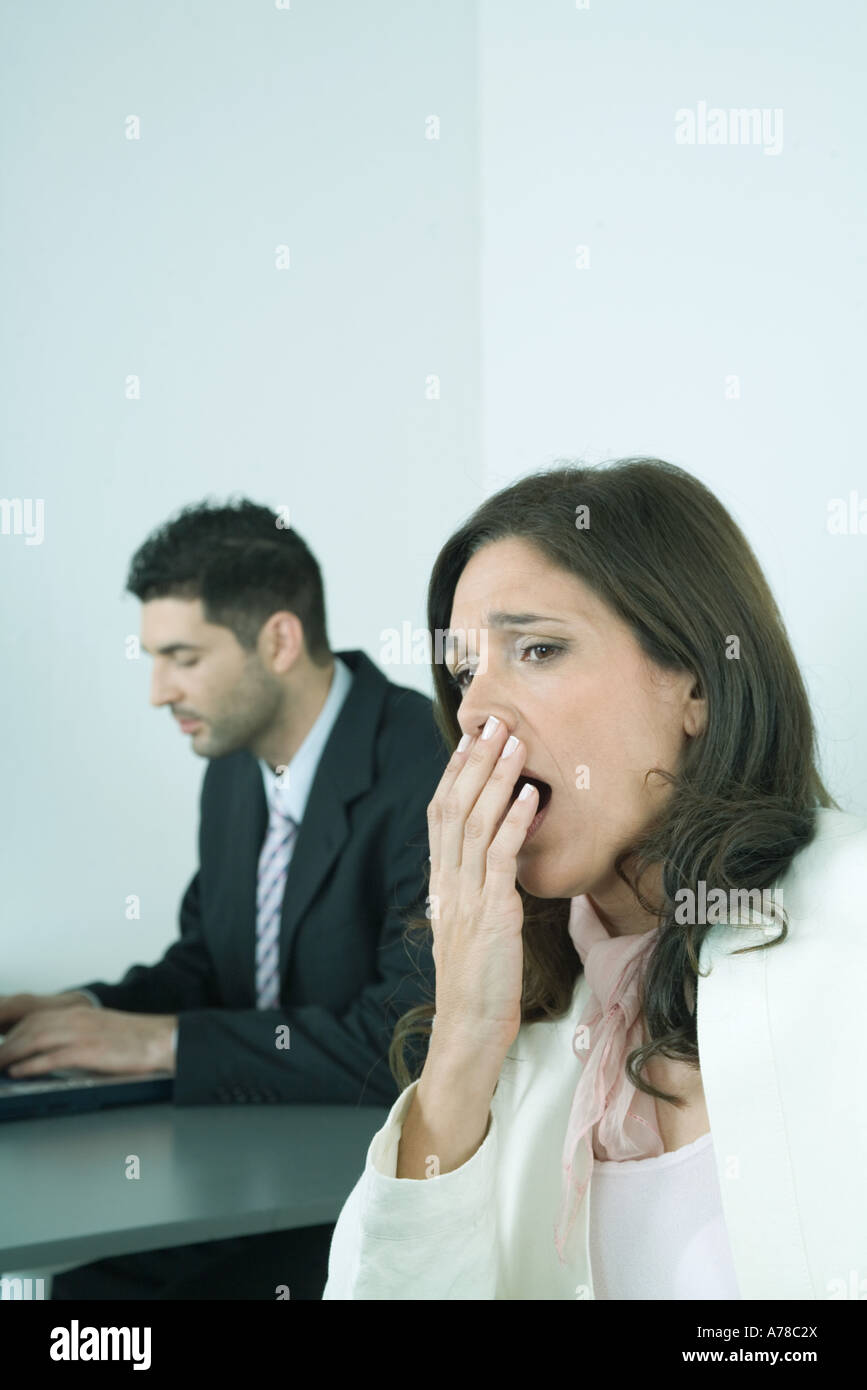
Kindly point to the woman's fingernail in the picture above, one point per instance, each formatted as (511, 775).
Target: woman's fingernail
(491, 725)
(509, 746)
(463, 743)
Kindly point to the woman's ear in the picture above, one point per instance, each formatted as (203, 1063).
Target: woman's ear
(695, 712)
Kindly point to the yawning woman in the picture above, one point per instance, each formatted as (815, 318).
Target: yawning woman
(622, 1100)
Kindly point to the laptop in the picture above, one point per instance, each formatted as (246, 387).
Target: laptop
(70, 1090)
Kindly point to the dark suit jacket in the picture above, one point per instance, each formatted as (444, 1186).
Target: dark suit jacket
(357, 870)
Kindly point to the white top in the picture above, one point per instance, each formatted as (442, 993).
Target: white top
(793, 1202)
(657, 1228)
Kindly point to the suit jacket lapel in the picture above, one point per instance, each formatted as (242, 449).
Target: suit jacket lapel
(345, 771)
(248, 822)
(738, 1067)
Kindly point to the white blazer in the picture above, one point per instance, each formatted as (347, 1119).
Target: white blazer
(781, 1040)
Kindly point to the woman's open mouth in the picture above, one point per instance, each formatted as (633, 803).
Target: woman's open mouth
(545, 794)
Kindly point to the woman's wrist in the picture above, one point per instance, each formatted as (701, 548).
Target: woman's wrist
(449, 1116)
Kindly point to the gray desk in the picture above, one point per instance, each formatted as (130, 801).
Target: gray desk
(206, 1172)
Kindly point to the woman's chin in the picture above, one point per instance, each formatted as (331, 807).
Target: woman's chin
(542, 880)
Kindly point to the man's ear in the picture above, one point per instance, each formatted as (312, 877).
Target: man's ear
(280, 641)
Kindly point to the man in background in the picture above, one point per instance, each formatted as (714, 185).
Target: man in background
(312, 850)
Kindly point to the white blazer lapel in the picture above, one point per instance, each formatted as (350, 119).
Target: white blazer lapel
(736, 1056)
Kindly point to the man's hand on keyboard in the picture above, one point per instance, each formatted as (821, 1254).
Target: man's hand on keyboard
(14, 1007)
(78, 1035)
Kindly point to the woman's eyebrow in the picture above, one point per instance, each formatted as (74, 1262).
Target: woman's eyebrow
(500, 619)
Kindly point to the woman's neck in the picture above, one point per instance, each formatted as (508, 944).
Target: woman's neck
(619, 910)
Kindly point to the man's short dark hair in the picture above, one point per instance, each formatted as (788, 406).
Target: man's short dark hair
(241, 563)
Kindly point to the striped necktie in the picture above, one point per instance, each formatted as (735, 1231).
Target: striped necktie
(273, 867)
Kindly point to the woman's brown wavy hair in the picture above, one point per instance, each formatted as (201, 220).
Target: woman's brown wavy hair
(665, 555)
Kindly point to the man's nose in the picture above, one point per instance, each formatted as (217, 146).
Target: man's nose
(164, 690)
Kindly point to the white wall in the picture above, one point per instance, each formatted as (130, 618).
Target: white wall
(705, 262)
(408, 256)
(306, 386)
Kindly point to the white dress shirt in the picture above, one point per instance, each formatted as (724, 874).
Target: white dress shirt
(292, 787)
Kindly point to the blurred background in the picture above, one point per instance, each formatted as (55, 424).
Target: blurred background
(372, 263)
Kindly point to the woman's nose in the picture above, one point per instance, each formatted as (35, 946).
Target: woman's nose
(478, 704)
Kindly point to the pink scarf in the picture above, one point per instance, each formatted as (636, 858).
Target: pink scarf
(610, 1118)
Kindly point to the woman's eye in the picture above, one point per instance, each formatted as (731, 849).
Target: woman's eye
(458, 678)
(541, 647)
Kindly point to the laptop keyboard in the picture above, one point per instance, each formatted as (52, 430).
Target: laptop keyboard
(48, 1082)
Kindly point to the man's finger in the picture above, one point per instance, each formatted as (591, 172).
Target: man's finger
(12, 1007)
(38, 1032)
(35, 1066)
